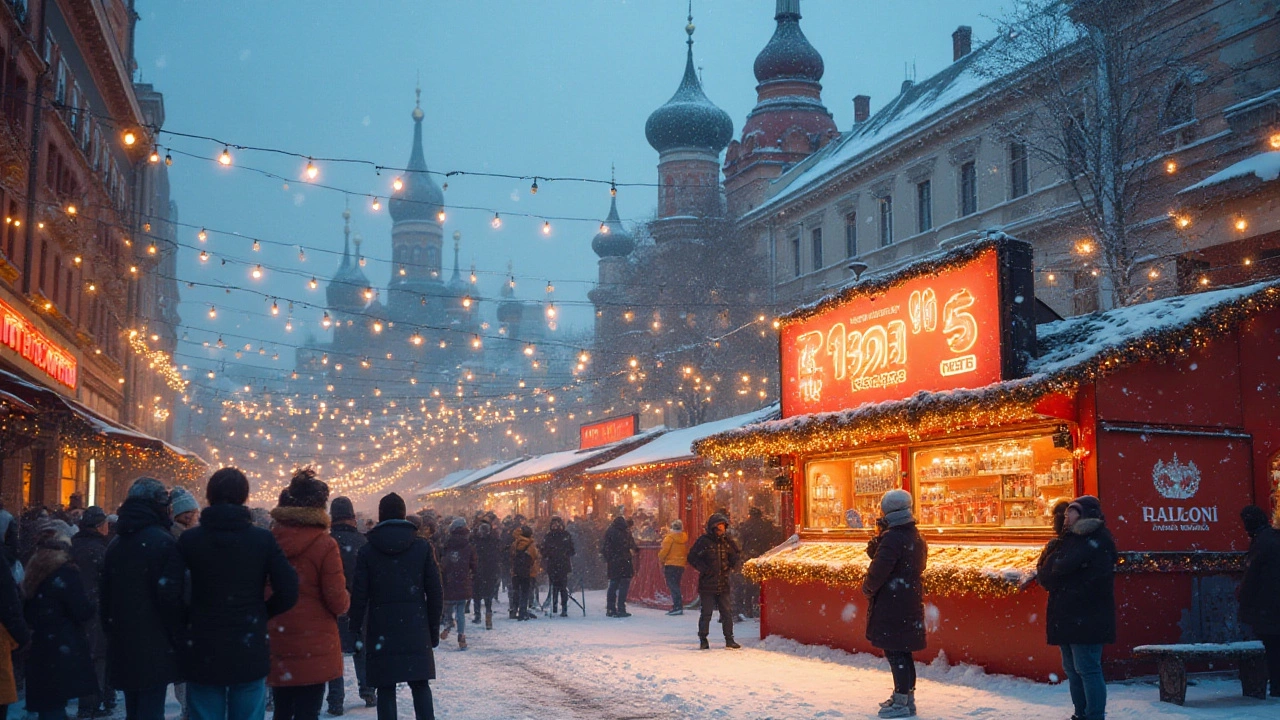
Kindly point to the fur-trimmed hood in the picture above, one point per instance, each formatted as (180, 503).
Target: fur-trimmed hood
(1087, 526)
(298, 528)
(301, 517)
(44, 563)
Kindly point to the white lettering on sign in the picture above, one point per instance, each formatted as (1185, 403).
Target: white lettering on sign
(958, 366)
(1175, 518)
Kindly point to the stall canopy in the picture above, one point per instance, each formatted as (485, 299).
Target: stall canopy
(465, 478)
(1069, 353)
(568, 461)
(676, 447)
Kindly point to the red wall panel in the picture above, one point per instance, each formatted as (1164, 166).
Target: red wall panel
(1200, 389)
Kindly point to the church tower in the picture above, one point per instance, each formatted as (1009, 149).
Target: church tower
(689, 132)
(612, 244)
(417, 232)
(789, 121)
(346, 292)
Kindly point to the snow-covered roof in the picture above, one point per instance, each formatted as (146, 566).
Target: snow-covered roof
(539, 465)
(1265, 166)
(469, 476)
(677, 445)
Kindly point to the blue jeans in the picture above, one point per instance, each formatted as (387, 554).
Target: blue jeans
(1083, 665)
(243, 701)
(459, 614)
(616, 596)
(673, 574)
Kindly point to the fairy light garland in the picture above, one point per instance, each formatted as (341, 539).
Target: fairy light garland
(158, 360)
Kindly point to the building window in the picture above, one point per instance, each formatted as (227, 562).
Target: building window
(815, 238)
(851, 235)
(924, 206)
(795, 254)
(1019, 172)
(1180, 107)
(968, 189)
(886, 221)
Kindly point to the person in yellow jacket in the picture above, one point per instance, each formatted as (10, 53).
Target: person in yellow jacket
(524, 571)
(674, 556)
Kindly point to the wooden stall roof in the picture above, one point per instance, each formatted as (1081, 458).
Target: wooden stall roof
(676, 447)
(567, 462)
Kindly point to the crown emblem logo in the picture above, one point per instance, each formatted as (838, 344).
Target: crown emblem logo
(1175, 480)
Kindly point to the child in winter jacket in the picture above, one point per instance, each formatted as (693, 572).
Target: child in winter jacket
(673, 556)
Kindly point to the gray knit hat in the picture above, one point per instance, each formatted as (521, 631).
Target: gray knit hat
(181, 501)
(895, 500)
(458, 523)
(145, 488)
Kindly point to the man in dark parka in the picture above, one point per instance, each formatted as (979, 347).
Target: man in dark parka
(1079, 573)
(88, 552)
(342, 514)
(618, 549)
(1260, 588)
(715, 556)
(141, 601)
(397, 599)
(894, 589)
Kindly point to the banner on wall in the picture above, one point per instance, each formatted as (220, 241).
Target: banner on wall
(608, 431)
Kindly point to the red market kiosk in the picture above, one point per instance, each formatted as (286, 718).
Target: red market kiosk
(937, 380)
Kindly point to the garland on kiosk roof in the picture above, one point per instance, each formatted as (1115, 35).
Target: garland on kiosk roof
(1071, 353)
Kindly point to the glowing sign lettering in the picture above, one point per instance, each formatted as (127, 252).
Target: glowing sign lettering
(20, 336)
(607, 431)
(935, 332)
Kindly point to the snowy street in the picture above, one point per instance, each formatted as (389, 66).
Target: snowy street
(648, 666)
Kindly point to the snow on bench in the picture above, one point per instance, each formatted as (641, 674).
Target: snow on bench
(1172, 662)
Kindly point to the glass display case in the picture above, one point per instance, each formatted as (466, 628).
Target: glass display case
(1000, 483)
(845, 492)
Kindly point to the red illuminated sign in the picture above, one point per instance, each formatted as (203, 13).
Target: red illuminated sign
(608, 431)
(940, 330)
(19, 335)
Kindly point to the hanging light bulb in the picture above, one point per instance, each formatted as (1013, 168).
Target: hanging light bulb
(496, 222)
(377, 204)
(473, 274)
(257, 246)
(368, 293)
(288, 325)
(130, 138)
(275, 309)
(403, 272)
(72, 210)
(613, 189)
(313, 283)
(213, 312)
(326, 321)
(377, 326)
(551, 311)
(546, 227)
(257, 272)
(202, 235)
(302, 254)
(154, 157)
(151, 249)
(583, 357)
(604, 229)
(225, 158)
(168, 161)
(397, 184)
(466, 301)
(416, 339)
(550, 288)
(440, 216)
(312, 171)
(475, 341)
(528, 350)
(533, 189)
(204, 256)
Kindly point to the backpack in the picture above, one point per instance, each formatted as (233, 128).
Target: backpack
(522, 564)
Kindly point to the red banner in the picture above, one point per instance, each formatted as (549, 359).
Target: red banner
(19, 335)
(608, 431)
(936, 332)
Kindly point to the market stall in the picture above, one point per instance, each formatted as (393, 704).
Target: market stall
(664, 480)
(937, 380)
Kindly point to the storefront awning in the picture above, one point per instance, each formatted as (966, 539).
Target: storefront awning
(541, 466)
(676, 447)
(1069, 352)
(464, 478)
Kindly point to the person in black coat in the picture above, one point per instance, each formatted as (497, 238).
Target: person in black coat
(342, 514)
(715, 556)
(397, 599)
(232, 564)
(488, 571)
(1260, 588)
(894, 588)
(618, 550)
(141, 601)
(557, 557)
(758, 536)
(506, 536)
(1078, 571)
(57, 609)
(458, 564)
(18, 636)
(88, 552)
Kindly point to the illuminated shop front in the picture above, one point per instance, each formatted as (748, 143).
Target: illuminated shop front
(989, 419)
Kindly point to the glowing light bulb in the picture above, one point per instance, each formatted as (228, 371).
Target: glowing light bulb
(1241, 224)
(257, 246)
(326, 321)
(311, 170)
(168, 161)
(604, 229)
(546, 227)
(204, 256)
(583, 357)
(151, 249)
(275, 309)
(1204, 281)
(1153, 273)
(130, 138)
(1171, 167)
(257, 272)
(213, 312)
(466, 301)
(397, 184)
(533, 189)
(154, 157)
(633, 362)
(313, 283)
(92, 287)
(551, 311)
(440, 216)
(377, 205)
(1184, 221)
(288, 326)
(416, 339)
(225, 158)
(496, 222)
(368, 293)
(71, 210)
(1084, 247)
(613, 190)
(377, 326)
(202, 235)
(475, 341)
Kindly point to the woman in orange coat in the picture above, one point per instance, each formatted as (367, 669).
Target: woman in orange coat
(306, 652)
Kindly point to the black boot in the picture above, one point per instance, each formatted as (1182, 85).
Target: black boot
(703, 644)
(729, 643)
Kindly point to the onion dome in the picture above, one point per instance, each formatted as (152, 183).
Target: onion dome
(689, 119)
(419, 198)
(788, 56)
(346, 290)
(613, 240)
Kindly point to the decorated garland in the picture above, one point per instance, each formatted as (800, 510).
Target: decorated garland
(1196, 562)
(987, 572)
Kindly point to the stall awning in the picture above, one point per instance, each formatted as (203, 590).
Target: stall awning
(465, 478)
(676, 447)
(1069, 352)
(568, 461)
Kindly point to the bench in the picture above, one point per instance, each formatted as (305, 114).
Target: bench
(1172, 661)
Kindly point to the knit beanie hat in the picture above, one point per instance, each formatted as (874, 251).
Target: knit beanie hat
(149, 489)
(458, 523)
(305, 491)
(342, 509)
(93, 517)
(181, 501)
(1088, 506)
(391, 507)
(895, 500)
(1254, 519)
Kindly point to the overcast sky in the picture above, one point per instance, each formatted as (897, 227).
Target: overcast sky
(551, 88)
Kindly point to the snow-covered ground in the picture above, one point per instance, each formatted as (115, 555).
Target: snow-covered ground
(648, 667)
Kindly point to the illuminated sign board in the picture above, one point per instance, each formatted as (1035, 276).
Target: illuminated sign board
(20, 336)
(608, 431)
(961, 322)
